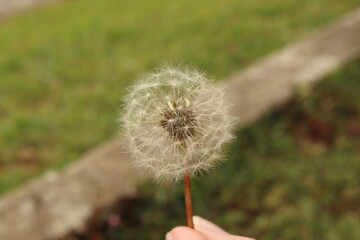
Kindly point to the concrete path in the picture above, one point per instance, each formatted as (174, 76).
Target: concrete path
(61, 202)
(10, 7)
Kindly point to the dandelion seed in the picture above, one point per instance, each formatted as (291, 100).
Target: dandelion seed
(176, 115)
(176, 123)
(158, 114)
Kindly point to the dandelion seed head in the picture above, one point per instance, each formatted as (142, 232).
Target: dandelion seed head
(176, 120)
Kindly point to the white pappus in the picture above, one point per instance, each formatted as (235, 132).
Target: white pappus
(176, 120)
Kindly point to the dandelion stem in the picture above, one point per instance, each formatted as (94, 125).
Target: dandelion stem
(188, 201)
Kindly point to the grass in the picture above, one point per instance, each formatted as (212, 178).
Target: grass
(63, 68)
(293, 175)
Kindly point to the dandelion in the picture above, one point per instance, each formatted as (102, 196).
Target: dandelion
(176, 123)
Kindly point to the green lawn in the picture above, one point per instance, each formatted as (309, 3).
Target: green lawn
(293, 175)
(63, 68)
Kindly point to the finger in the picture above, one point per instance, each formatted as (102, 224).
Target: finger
(212, 231)
(205, 225)
(233, 237)
(184, 233)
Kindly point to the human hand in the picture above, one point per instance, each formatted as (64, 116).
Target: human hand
(204, 230)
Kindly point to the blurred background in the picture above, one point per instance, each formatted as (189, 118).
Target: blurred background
(294, 174)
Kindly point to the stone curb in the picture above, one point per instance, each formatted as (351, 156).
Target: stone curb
(11, 7)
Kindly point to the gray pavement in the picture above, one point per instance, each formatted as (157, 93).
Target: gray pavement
(11, 7)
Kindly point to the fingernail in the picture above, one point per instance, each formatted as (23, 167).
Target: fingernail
(168, 236)
(204, 225)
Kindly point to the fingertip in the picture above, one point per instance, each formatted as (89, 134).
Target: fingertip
(181, 233)
(234, 237)
(202, 224)
(168, 236)
(213, 232)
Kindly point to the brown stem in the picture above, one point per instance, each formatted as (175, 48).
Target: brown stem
(188, 201)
